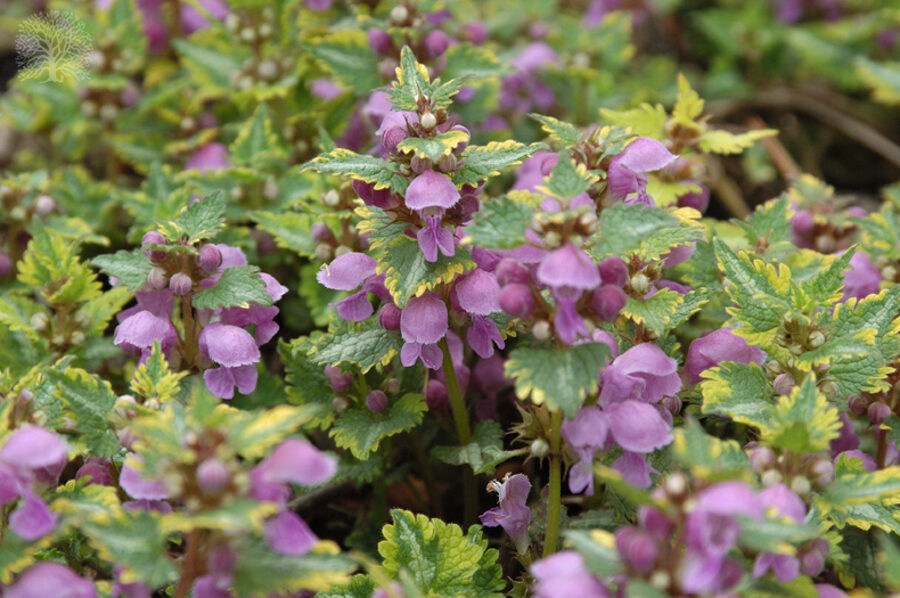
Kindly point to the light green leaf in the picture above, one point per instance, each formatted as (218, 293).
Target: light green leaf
(407, 274)
(740, 391)
(562, 132)
(202, 219)
(239, 286)
(364, 345)
(499, 224)
(361, 431)
(347, 55)
(130, 267)
(483, 454)
(362, 167)
(480, 162)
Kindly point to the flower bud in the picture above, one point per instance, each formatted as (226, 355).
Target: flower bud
(698, 201)
(332, 198)
(517, 300)
(509, 270)
(608, 301)
(762, 458)
(44, 204)
(5, 265)
(181, 284)
(822, 471)
(97, 470)
(435, 394)
(640, 283)
(40, 321)
(541, 329)
(321, 233)
(676, 485)
(771, 477)
(341, 250)
(77, 338)
(339, 404)
(672, 403)
(376, 401)
(829, 388)
(340, 381)
(812, 563)
(447, 163)
(613, 271)
(154, 238)
(816, 339)
(857, 405)
(428, 121)
(636, 548)
(475, 32)
(324, 252)
(878, 412)
(825, 244)
(399, 14)
(157, 278)
(436, 43)
(380, 41)
(389, 317)
(392, 386)
(783, 384)
(212, 476)
(802, 222)
(392, 136)
(267, 70)
(209, 258)
(419, 164)
(539, 448)
(800, 485)
(271, 190)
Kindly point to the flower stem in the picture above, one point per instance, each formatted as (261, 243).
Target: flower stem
(551, 538)
(187, 318)
(188, 565)
(463, 431)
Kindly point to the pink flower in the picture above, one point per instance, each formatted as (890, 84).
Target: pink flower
(718, 346)
(628, 171)
(423, 322)
(513, 513)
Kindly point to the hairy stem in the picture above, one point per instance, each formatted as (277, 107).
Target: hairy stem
(188, 565)
(551, 539)
(463, 431)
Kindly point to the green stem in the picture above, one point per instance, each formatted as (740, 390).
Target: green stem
(551, 539)
(463, 431)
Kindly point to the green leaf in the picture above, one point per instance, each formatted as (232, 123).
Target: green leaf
(863, 487)
(740, 391)
(200, 220)
(438, 558)
(291, 230)
(362, 167)
(51, 265)
(433, 147)
(645, 120)
(256, 144)
(656, 312)
(825, 286)
(718, 141)
(499, 224)
(883, 78)
(91, 400)
(688, 106)
(253, 434)
(474, 62)
(412, 81)
(483, 454)
(16, 312)
(239, 286)
(365, 345)
(260, 571)
(407, 274)
(360, 586)
(706, 456)
(208, 64)
(154, 379)
(361, 431)
(347, 55)
(136, 541)
(644, 231)
(865, 516)
(130, 267)
(803, 422)
(100, 310)
(307, 384)
(562, 132)
(568, 180)
(769, 227)
(559, 378)
(480, 162)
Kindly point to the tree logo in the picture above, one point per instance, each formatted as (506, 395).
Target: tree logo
(53, 46)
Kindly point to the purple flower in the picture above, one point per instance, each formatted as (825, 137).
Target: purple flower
(643, 372)
(136, 485)
(862, 279)
(585, 435)
(513, 513)
(348, 272)
(564, 575)
(423, 322)
(568, 271)
(147, 322)
(628, 171)
(50, 579)
(235, 350)
(478, 293)
(211, 156)
(780, 502)
(288, 534)
(192, 20)
(431, 190)
(718, 346)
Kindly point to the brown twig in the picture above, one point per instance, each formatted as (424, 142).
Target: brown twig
(780, 157)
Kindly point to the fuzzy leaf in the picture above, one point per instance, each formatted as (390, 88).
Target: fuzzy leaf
(291, 230)
(307, 384)
(362, 167)
(717, 141)
(347, 55)
(499, 224)
(433, 148)
(90, 399)
(705, 455)
(645, 120)
(365, 345)
(51, 265)
(656, 312)
(200, 220)
(474, 62)
(883, 78)
(412, 81)
(256, 144)
(646, 232)
(740, 391)
(239, 286)
(361, 431)
(483, 454)
(130, 267)
(480, 162)
(863, 487)
(564, 133)
(561, 378)
(803, 422)
(568, 180)
(260, 571)
(407, 274)
(154, 379)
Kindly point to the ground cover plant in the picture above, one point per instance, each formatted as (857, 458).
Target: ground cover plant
(358, 299)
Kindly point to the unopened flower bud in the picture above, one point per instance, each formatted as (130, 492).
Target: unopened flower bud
(613, 270)
(428, 121)
(271, 190)
(774, 368)
(889, 273)
(672, 403)
(660, 580)
(825, 244)
(324, 252)
(212, 476)
(267, 70)
(232, 22)
(187, 123)
(878, 412)
(95, 60)
(541, 329)
(436, 43)
(436, 394)
(154, 238)
(39, 321)
(77, 338)
(339, 404)
(539, 448)
(96, 470)
(181, 284)
(857, 405)
(340, 381)
(771, 477)
(800, 485)
(380, 41)
(392, 136)
(157, 278)
(676, 485)
(447, 163)
(783, 384)
(392, 386)
(248, 34)
(332, 198)
(389, 317)
(640, 283)
(419, 164)
(816, 339)
(209, 258)
(5, 264)
(341, 250)
(399, 14)
(812, 563)
(829, 388)
(516, 300)
(236, 193)
(637, 549)
(109, 112)
(376, 401)
(822, 471)
(607, 301)
(762, 458)
(44, 204)
(509, 270)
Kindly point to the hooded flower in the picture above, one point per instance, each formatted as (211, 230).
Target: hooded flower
(643, 372)
(568, 271)
(147, 322)
(564, 575)
(478, 294)
(47, 579)
(431, 193)
(236, 352)
(781, 503)
(352, 271)
(192, 20)
(628, 171)
(862, 279)
(211, 156)
(423, 322)
(513, 513)
(718, 346)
